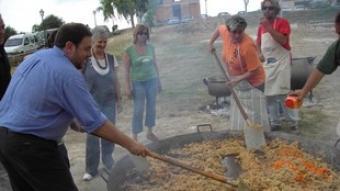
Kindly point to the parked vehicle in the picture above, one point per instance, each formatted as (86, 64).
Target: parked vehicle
(40, 39)
(174, 20)
(21, 44)
(223, 15)
(43, 36)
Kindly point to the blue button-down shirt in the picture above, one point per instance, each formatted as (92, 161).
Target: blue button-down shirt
(45, 94)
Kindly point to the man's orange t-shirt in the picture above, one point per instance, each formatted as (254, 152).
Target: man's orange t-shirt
(242, 57)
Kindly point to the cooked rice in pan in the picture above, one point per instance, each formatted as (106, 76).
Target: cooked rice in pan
(282, 166)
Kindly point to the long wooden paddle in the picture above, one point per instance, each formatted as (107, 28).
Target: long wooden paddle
(254, 136)
(175, 162)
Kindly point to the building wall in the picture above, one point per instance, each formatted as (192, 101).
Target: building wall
(287, 4)
(189, 9)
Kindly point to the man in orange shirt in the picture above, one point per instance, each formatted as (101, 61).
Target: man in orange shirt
(245, 70)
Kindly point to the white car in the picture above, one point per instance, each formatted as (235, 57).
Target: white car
(21, 44)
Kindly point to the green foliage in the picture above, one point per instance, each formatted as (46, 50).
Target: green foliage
(35, 28)
(127, 8)
(9, 31)
(51, 21)
(107, 8)
(118, 43)
(148, 17)
(141, 7)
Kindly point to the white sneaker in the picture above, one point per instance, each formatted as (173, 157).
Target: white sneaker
(87, 177)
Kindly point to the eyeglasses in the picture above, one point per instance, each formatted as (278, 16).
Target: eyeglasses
(143, 33)
(268, 8)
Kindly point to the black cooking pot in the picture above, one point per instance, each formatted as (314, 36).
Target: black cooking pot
(301, 68)
(217, 86)
(329, 153)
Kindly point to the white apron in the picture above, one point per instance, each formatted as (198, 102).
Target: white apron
(254, 104)
(277, 66)
(253, 101)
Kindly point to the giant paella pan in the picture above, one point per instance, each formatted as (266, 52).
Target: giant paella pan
(288, 162)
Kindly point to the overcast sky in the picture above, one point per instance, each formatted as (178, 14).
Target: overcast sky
(23, 14)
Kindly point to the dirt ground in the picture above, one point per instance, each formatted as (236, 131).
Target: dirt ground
(184, 61)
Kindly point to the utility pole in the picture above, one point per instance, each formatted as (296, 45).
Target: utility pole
(206, 8)
(94, 17)
(42, 12)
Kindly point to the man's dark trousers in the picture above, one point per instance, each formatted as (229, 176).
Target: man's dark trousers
(35, 164)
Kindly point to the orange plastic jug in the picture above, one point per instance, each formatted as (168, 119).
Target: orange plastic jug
(292, 102)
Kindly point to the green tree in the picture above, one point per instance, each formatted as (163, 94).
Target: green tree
(142, 6)
(108, 10)
(127, 8)
(51, 21)
(35, 28)
(148, 17)
(9, 31)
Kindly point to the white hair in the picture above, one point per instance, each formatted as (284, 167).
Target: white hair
(100, 32)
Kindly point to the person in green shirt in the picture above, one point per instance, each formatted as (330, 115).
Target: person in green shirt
(142, 81)
(327, 65)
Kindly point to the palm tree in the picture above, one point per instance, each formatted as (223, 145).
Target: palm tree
(107, 8)
(127, 8)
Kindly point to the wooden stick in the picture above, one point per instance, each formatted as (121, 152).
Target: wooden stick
(172, 161)
(233, 93)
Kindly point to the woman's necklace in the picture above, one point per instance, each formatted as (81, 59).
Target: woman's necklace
(99, 63)
(100, 66)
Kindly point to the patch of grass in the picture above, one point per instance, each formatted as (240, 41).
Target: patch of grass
(313, 121)
(118, 43)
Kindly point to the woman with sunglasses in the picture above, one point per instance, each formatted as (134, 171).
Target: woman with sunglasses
(274, 47)
(245, 70)
(142, 81)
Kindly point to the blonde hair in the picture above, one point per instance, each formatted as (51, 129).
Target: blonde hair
(140, 28)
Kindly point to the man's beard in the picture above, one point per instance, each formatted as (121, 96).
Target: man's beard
(78, 65)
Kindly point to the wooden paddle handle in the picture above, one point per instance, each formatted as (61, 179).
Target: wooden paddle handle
(187, 167)
(233, 93)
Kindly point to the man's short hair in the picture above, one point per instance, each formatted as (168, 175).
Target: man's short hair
(73, 32)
